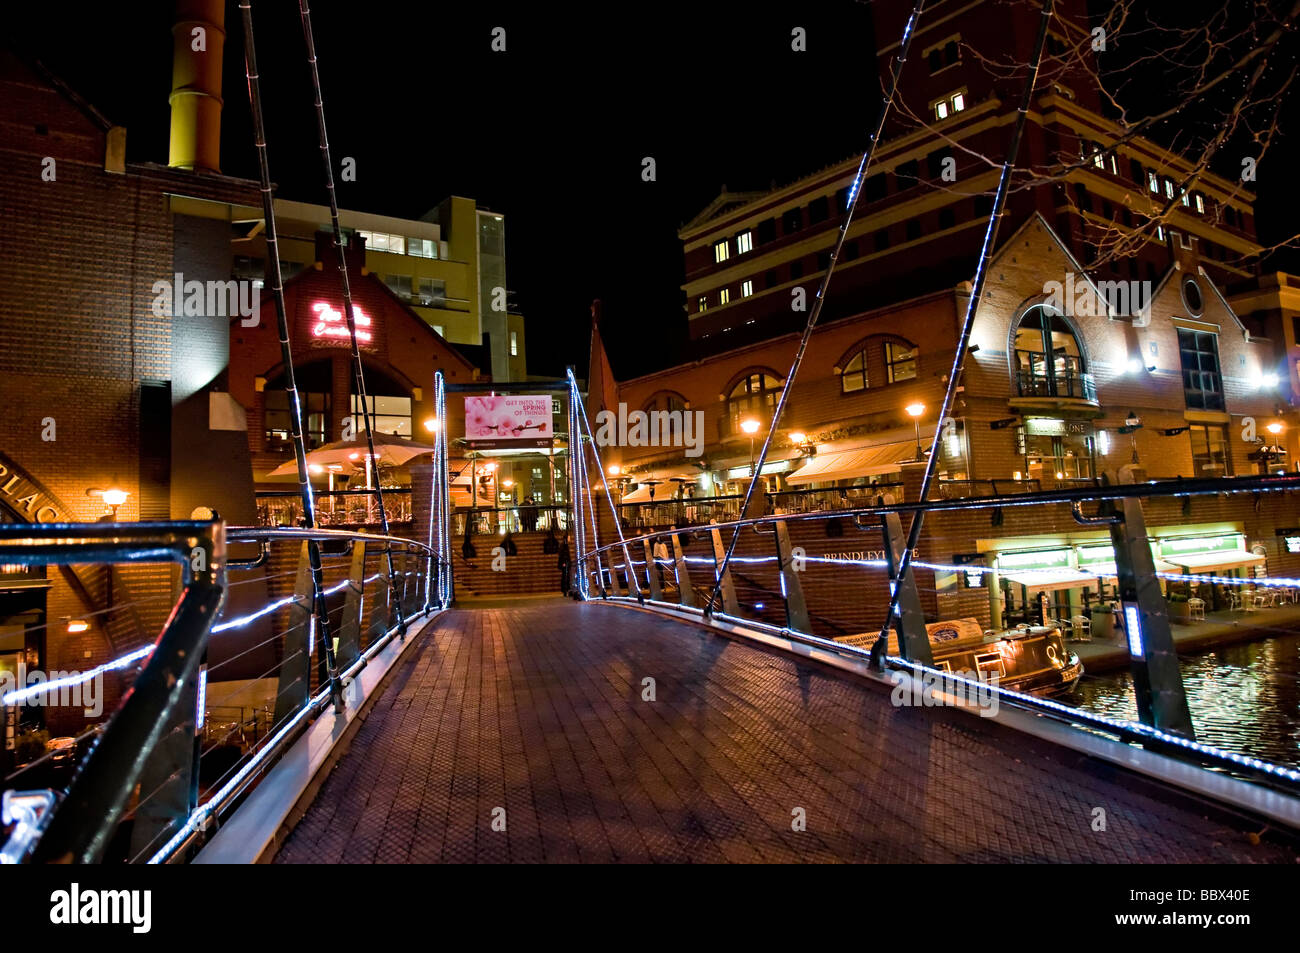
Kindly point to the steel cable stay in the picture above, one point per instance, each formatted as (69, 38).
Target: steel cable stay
(756, 467)
(273, 272)
(902, 570)
(359, 375)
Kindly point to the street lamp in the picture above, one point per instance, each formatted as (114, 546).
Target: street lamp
(750, 426)
(915, 411)
(112, 497)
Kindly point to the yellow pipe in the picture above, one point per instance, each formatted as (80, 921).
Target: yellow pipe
(198, 42)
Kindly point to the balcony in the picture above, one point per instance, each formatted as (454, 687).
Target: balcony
(1053, 378)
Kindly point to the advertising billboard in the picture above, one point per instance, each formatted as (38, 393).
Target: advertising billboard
(515, 422)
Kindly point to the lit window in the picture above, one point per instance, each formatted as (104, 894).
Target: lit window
(721, 250)
(1098, 159)
(1153, 183)
(952, 103)
(724, 296)
(900, 362)
(704, 303)
(746, 288)
(854, 376)
(1169, 189)
(514, 343)
(1187, 199)
(422, 247)
(439, 329)
(744, 242)
(1160, 232)
(1200, 204)
(382, 241)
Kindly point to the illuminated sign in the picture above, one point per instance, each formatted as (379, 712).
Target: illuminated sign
(516, 421)
(329, 322)
(1201, 544)
(1050, 559)
(1292, 544)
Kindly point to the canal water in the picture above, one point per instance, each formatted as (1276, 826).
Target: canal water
(1244, 698)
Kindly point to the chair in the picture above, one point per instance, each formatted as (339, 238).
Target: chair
(1196, 609)
(1263, 599)
(1082, 628)
(1234, 600)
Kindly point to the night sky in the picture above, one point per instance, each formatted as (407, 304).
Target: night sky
(550, 133)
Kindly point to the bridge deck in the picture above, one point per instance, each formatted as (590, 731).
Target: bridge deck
(538, 709)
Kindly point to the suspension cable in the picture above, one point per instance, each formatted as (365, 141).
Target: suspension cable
(972, 303)
(359, 374)
(756, 469)
(286, 352)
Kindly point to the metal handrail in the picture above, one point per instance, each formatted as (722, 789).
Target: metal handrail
(1200, 486)
(78, 825)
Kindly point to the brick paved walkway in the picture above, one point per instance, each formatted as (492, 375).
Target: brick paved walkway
(538, 709)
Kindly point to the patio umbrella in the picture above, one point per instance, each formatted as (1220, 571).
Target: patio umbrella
(389, 448)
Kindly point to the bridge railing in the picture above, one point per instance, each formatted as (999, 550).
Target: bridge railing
(1099, 563)
(253, 650)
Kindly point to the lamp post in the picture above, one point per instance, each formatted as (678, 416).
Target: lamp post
(915, 411)
(1132, 424)
(750, 426)
(112, 497)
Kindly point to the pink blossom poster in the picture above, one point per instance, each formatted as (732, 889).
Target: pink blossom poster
(514, 421)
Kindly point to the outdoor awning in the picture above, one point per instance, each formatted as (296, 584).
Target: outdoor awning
(1108, 570)
(850, 464)
(642, 494)
(1213, 562)
(1048, 580)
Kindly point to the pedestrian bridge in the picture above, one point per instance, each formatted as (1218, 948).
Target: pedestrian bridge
(744, 754)
(323, 695)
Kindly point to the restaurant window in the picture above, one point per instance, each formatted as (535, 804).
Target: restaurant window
(278, 422)
(900, 362)
(1209, 450)
(753, 395)
(1048, 359)
(1202, 385)
(392, 415)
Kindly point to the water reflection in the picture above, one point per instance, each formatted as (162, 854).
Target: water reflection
(1244, 698)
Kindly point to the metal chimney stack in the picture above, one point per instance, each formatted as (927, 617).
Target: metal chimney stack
(199, 40)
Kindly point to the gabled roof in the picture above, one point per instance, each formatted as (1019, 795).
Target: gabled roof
(724, 203)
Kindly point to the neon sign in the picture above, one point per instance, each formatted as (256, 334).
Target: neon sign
(331, 323)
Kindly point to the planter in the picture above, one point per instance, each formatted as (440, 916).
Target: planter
(1103, 625)
(1180, 613)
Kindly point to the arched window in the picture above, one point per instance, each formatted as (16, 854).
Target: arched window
(890, 360)
(1048, 359)
(855, 376)
(753, 395)
(666, 400)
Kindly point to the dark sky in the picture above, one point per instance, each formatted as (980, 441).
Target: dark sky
(550, 133)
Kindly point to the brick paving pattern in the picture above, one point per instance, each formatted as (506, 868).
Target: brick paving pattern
(538, 709)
